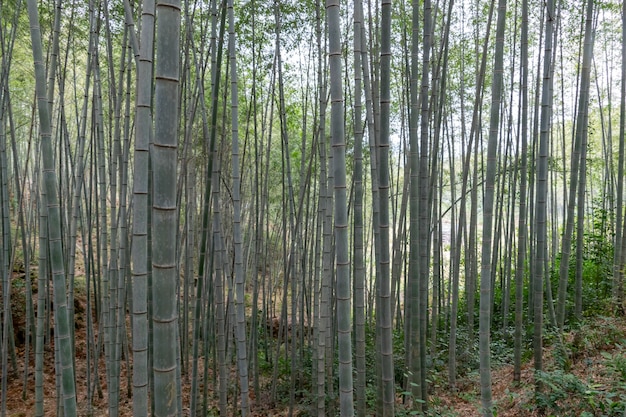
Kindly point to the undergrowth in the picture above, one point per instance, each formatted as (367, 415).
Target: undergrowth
(587, 375)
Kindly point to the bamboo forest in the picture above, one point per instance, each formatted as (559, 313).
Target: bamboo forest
(312, 208)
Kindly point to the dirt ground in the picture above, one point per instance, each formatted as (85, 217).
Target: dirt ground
(509, 399)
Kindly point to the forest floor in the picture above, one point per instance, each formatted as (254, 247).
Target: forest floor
(584, 375)
(589, 379)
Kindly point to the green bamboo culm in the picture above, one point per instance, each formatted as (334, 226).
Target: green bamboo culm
(164, 168)
(342, 246)
(541, 186)
(240, 325)
(358, 271)
(385, 318)
(62, 325)
(486, 279)
(139, 251)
